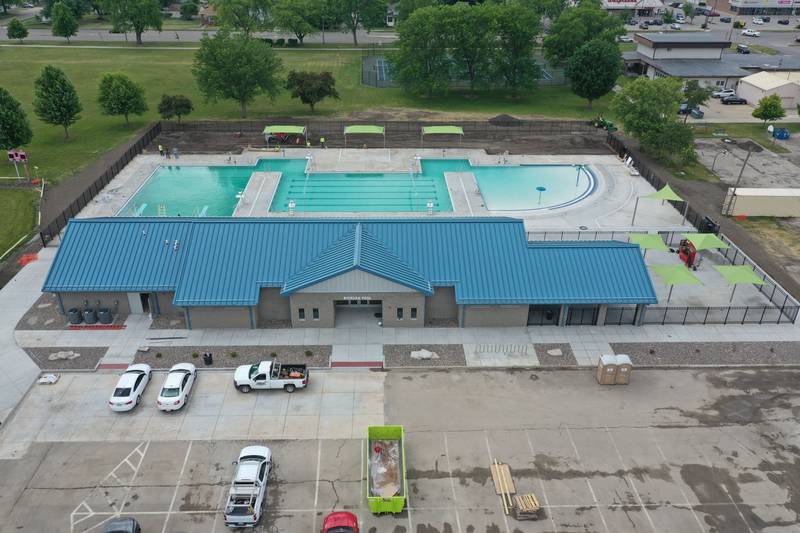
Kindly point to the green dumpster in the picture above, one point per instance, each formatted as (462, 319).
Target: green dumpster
(387, 487)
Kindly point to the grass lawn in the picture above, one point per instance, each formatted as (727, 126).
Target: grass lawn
(169, 71)
(693, 172)
(778, 237)
(18, 208)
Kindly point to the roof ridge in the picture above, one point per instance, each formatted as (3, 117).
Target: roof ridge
(357, 244)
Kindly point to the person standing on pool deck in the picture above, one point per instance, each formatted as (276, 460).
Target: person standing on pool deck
(175, 152)
(322, 142)
(161, 150)
(166, 152)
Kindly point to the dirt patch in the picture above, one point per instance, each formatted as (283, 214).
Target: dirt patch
(224, 357)
(399, 355)
(87, 360)
(168, 322)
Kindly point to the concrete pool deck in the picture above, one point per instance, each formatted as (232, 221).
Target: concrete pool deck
(609, 207)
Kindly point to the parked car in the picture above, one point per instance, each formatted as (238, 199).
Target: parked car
(27, 5)
(656, 22)
(723, 93)
(675, 26)
(676, 5)
(130, 388)
(625, 39)
(747, 32)
(644, 26)
(742, 49)
(122, 524)
(632, 22)
(766, 19)
(684, 109)
(713, 14)
(757, 21)
(271, 375)
(340, 522)
(249, 486)
(177, 385)
(797, 39)
(734, 100)
(784, 22)
(697, 112)
(725, 19)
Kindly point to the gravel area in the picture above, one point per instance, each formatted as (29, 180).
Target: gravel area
(710, 353)
(89, 357)
(169, 322)
(245, 355)
(441, 323)
(44, 315)
(566, 359)
(399, 355)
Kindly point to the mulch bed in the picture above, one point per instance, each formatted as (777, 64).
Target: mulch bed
(545, 359)
(399, 355)
(89, 357)
(168, 322)
(245, 355)
(710, 353)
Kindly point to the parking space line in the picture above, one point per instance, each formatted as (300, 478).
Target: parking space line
(630, 480)
(588, 483)
(541, 481)
(363, 490)
(452, 481)
(491, 457)
(685, 497)
(177, 487)
(728, 494)
(316, 484)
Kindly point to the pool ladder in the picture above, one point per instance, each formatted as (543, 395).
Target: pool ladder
(162, 210)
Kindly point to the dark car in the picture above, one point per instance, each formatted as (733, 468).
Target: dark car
(656, 22)
(697, 113)
(734, 100)
(742, 49)
(122, 525)
(766, 19)
(644, 26)
(785, 22)
(725, 19)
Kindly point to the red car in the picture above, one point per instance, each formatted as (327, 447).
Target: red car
(340, 522)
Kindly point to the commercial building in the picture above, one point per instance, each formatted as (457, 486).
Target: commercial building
(756, 86)
(764, 7)
(639, 8)
(699, 56)
(258, 272)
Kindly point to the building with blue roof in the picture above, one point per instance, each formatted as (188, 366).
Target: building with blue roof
(256, 272)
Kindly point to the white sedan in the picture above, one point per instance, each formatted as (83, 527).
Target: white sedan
(130, 388)
(175, 390)
(747, 32)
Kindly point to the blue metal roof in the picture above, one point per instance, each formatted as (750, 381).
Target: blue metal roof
(360, 250)
(227, 261)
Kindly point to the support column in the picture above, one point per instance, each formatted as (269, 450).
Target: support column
(601, 315)
(155, 305)
(188, 317)
(60, 303)
(638, 318)
(252, 319)
(562, 316)
(462, 310)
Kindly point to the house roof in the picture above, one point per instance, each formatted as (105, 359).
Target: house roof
(225, 262)
(683, 40)
(765, 81)
(730, 66)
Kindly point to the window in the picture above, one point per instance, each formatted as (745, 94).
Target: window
(399, 313)
(413, 313)
(315, 314)
(301, 313)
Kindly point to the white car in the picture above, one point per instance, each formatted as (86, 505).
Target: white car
(130, 388)
(723, 93)
(175, 390)
(757, 20)
(625, 39)
(751, 33)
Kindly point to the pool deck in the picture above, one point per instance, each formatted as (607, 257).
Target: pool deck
(609, 207)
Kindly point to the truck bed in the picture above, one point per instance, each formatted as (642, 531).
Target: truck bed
(287, 369)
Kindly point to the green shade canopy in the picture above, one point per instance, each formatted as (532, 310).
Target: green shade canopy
(376, 130)
(441, 130)
(675, 275)
(648, 241)
(666, 193)
(299, 130)
(738, 274)
(705, 241)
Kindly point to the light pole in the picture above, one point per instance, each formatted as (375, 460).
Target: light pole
(724, 152)
(749, 151)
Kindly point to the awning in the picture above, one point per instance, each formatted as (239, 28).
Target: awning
(675, 275)
(648, 241)
(739, 274)
(441, 130)
(705, 241)
(299, 130)
(665, 193)
(364, 130)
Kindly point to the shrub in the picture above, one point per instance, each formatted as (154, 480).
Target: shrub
(739, 24)
(158, 355)
(292, 43)
(269, 41)
(195, 355)
(233, 354)
(280, 42)
(309, 353)
(273, 354)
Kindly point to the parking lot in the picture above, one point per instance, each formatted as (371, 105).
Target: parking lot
(675, 451)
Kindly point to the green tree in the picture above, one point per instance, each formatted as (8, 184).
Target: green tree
(406, 7)
(672, 141)
(594, 68)
(64, 22)
(694, 95)
(355, 14)
(312, 87)
(5, 4)
(176, 105)
(14, 127)
(471, 40)
(16, 30)
(668, 17)
(550, 9)
(78, 7)
(577, 26)
(769, 108)
(55, 99)
(189, 10)
(645, 105)
(136, 15)
(119, 95)
(246, 16)
(421, 64)
(688, 10)
(296, 16)
(516, 29)
(236, 67)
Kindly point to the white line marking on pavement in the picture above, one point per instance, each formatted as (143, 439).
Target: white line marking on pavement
(489, 449)
(630, 480)
(685, 497)
(541, 481)
(728, 494)
(452, 481)
(177, 486)
(316, 485)
(588, 483)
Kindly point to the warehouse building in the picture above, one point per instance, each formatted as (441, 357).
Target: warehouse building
(258, 272)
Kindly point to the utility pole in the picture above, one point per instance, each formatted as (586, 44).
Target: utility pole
(749, 151)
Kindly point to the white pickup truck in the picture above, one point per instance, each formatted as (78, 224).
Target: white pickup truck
(270, 375)
(249, 487)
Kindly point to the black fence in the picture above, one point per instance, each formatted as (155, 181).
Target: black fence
(764, 314)
(51, 229)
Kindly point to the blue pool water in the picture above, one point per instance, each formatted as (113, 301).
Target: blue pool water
(215, 191)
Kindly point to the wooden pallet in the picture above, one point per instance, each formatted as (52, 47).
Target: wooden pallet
(526, 507)
(503, 484)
